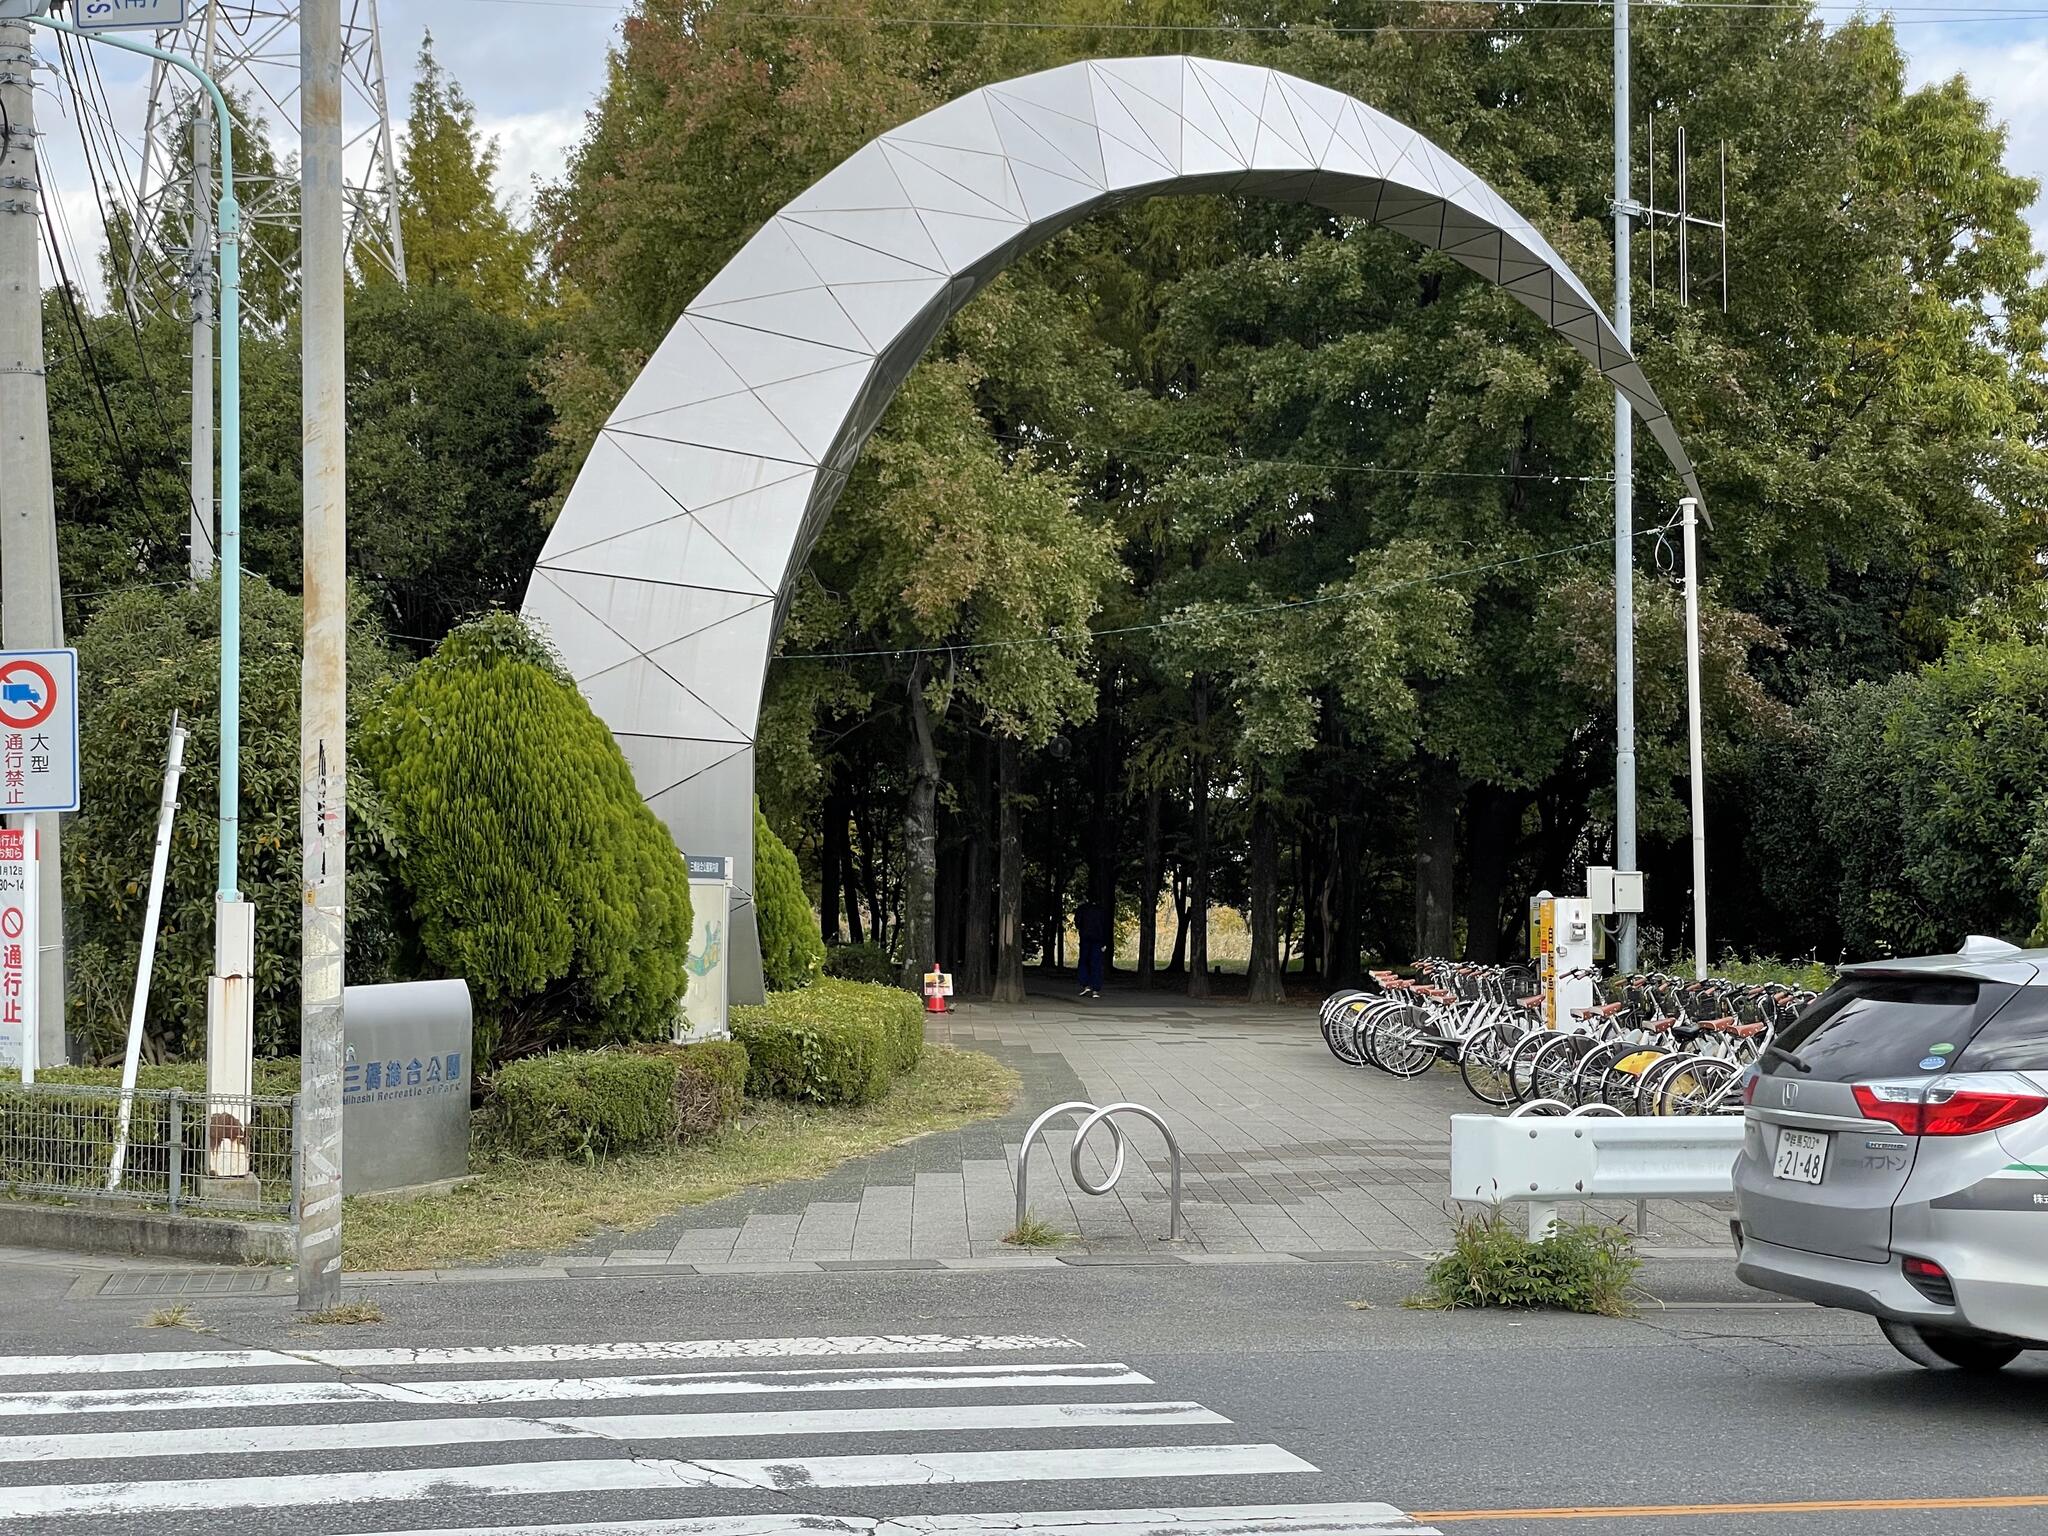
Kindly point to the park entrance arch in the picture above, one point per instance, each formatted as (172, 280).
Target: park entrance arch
(664, 581)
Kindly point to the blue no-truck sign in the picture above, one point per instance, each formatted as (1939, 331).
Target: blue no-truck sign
(38, 731)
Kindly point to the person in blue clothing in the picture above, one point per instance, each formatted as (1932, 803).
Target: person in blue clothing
(1091, 926)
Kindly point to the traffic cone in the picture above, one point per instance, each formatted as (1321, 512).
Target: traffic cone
(933, 1001)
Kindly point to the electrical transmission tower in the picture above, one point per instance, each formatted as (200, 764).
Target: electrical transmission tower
(252, 48)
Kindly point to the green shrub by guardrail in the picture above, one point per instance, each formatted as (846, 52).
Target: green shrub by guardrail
(836, 1042)
(590, 1104)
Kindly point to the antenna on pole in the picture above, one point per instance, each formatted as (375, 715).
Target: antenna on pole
(1684, 219)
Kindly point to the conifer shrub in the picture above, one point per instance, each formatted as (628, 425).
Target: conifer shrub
(792, 949)
(530, 865)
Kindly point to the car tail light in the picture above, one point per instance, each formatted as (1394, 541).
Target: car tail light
(1930, 1280)
(1750, 1078)
(1946, 1111)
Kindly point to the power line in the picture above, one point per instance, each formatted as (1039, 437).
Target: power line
(1258, 610)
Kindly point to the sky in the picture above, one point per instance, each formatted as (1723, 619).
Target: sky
(533, 67)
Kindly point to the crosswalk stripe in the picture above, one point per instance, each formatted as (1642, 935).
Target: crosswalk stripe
(384, 1434)
(640, 1473)
(544, 1389)
(1245, 1520)
(525, 1354)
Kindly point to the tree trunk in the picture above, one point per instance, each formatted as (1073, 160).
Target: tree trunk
(1492, 822)
(1262, 977)
(850, 879)
(974, 953)
(1198, 876)
(1148, 893)
(1436, 838)
(832, 862)
(1343, 967)
(1009, 987)
(920, 837)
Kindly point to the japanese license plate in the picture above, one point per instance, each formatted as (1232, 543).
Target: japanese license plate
(1802, 1156)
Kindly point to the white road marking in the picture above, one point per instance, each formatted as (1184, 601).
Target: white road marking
(524, 1354)
(531, 1479)
(545, 1389)
(384, 1434)
(1247, 1520)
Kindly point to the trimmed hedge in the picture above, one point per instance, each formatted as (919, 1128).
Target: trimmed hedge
(867, 962)
(710, 1084)
(837, 1042)
(583, 1103)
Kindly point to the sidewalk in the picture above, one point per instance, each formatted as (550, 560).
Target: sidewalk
(1285, 1151)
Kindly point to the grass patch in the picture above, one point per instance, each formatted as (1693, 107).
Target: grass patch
(346, 1313)
(177, 1315)
(516, 1205)
(1588, 1267)
(1033, 1233)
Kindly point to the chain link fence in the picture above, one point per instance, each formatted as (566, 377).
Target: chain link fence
(183, 1150)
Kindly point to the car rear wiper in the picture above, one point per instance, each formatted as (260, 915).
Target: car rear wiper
(1787, 1057)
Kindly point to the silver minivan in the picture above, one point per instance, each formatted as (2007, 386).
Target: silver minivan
(1895, 1155)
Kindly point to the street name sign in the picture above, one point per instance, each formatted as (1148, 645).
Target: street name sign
(111, 15)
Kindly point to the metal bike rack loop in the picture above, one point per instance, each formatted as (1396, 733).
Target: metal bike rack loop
(1098, 1114)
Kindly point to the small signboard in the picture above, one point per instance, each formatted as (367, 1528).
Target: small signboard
(705, 999)
(20, 937)
(938, 984)
(112, 15)
(38, 731)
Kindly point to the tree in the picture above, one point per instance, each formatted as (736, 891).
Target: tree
(457, 234)
(792, 952)
(530, 867)
(144, 654)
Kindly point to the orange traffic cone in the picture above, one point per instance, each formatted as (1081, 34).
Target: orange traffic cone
(934, 998)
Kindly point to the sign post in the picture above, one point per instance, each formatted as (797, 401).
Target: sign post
(706, 1000)
(38, 773)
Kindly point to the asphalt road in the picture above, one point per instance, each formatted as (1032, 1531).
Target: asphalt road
(1257, 1393)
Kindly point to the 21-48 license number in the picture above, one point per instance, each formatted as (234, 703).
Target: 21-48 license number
(1802, 1156)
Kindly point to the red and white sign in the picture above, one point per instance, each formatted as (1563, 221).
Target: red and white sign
(20, 960)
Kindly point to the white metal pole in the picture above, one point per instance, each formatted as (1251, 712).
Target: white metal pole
(1624, 509)
(1689, 510)
(145, 965)
(200, 275)
(323, 745)
(31, 616)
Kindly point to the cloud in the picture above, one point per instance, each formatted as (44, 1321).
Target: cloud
(531, 146)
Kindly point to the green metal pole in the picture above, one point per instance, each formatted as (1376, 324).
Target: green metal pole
(229, 222)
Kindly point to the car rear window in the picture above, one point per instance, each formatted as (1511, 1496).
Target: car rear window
(1868, 1027)
(2014, 1039)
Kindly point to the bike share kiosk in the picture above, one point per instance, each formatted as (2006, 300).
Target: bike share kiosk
(1561, 943)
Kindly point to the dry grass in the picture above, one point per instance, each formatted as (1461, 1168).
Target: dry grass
(516, 1206)
(1033, 1233)
(346, 1313)
(177, 1315)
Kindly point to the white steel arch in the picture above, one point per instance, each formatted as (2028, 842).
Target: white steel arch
(663, 582)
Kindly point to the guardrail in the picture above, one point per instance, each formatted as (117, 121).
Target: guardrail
(1541, 1160)
(1098, 1114)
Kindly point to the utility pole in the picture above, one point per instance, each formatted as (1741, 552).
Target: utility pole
(200, 273)
(1624, 508)
(31, 615)
(323, 746)
(1689, 516)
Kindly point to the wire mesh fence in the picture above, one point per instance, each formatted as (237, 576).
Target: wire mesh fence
(183, 1151)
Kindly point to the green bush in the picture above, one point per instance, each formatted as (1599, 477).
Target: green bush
(860, 962)
(792, 951)
(710, 1084)
(143, 654)
(532, 867)
(1578, 1268)
(584, 1104)
(838, 1042)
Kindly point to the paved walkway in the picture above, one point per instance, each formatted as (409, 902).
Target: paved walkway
(1286, 1152)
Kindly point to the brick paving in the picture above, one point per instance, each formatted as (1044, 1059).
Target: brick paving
(1286, 1151)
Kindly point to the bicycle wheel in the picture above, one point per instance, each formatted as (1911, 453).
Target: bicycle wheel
(1650, 1088)
(1396, 1044)
(1550, 1074)
(1693, 1090)
(1522, 1061)
(1588, 1084)
(1340, 1030)
(1362, 1027)
(1625, 1078)
(1483, 1064)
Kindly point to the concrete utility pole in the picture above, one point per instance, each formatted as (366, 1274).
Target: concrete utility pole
(323, 745)
(201, 276)
(1624, 508)
(31, 614)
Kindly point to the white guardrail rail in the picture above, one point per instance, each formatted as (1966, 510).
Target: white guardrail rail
(1540, 1160)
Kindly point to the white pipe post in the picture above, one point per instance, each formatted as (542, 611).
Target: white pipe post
(145, 964)
(1689, 509)
(323, 721)
(1624, 509)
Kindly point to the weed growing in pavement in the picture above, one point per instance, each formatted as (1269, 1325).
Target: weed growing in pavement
(1033, 1233)
(347, 1312)
(1584, 1267)
(177, 1315)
